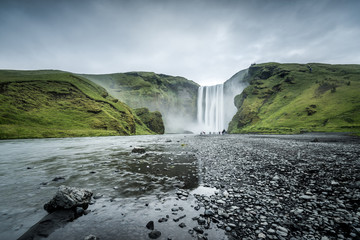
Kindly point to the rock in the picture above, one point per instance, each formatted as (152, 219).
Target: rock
(55, 179)
(261, 235)
(150, 225)
(201, 221)
(162, 220)
(282, 231)
(98, 196)
(154, 234)
(209, 213)
(79, 211)
(69, 198)
(182, 225)
(198, 230)
(232, 225)
(177, 219)
(307, 197)
(90, 237)
(138, 150)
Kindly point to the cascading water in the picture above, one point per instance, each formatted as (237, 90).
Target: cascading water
(210, 114)
(215, 106)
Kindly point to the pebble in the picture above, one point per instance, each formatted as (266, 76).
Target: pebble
(150, 225)
(154, 234)
(182, 225)
(90, 237)
(198, 230)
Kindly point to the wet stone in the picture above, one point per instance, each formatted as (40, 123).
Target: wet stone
(91, 237)
(150, 225)
(179, 218)
(182, 225)
(138, 150)
(232, 225)
(209, 213)
(198, 230)
(162, 220)
(154, 234)
(201, 221)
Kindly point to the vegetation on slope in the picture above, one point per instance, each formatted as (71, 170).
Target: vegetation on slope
(153, 120)
(294, 98)
(49, 103)
(174, 97)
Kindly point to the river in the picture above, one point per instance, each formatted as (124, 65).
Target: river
(299, 186)
(135, 187)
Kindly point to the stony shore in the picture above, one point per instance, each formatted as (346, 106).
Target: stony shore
(281, 187)
(256, 187)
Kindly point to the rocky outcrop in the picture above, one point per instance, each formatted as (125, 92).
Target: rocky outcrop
(44, 104)
(69, 198)
(153, 120)
(68, 204)
(289, 98)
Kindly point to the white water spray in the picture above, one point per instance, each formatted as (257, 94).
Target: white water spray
(210, 114)
(215, 106)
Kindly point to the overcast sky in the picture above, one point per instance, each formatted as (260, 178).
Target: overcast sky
(203, 40)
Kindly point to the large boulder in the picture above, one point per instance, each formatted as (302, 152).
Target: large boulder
(69, 198)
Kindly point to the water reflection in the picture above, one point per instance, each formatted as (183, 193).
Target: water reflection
(104, 165)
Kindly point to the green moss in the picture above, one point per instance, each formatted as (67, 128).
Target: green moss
(153, 120)
(289, 98)
(59, 104)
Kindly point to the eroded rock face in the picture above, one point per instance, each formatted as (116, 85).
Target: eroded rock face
(69, 198)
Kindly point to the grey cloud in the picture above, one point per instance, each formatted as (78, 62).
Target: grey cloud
(206, 41)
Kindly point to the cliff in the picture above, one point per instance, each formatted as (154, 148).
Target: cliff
(174, 97)
(294, 98)
(48, 103)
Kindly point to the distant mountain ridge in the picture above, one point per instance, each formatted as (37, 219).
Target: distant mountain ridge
(294, 98)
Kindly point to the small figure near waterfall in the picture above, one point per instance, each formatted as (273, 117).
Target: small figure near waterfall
(223, 132)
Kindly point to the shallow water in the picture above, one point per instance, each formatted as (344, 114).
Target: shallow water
(138, 188)
(103, 164)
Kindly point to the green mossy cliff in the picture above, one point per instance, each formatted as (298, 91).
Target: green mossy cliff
(294, 98)
(49, 103)
(153, 120)
(174, 97)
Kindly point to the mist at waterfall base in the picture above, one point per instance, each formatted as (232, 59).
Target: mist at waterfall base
(214, 108)
(215, 104)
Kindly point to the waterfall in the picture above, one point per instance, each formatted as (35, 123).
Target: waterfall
(210, 108)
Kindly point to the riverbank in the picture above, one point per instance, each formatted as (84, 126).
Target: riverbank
(251, 186)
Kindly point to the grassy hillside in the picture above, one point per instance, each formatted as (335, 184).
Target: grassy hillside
(293, 98)
(60, 104)
(174, 97)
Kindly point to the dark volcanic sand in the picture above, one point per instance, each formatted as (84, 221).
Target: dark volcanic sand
(267, 187)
